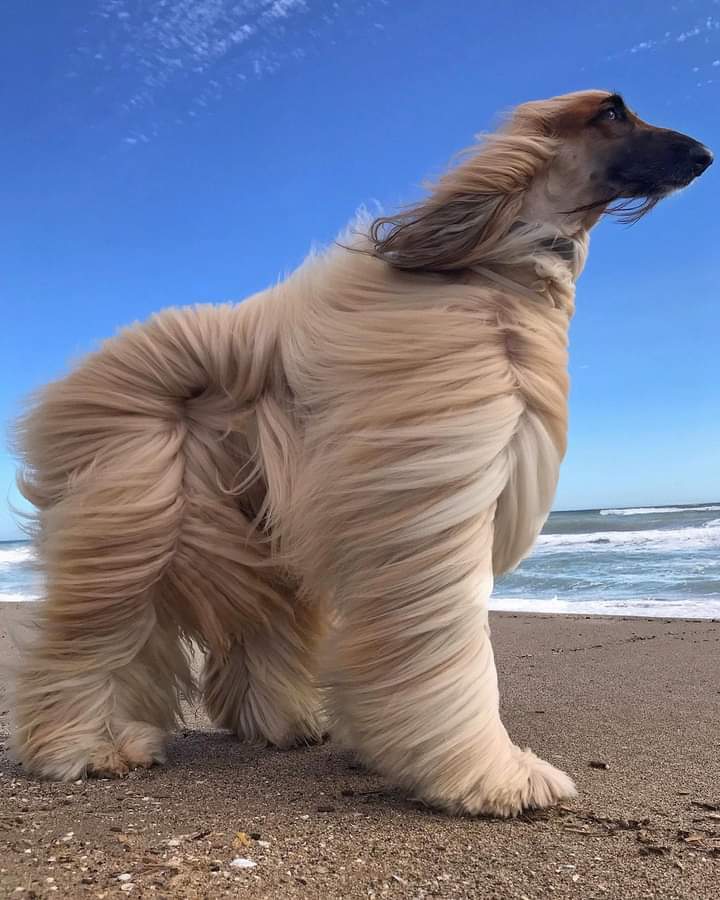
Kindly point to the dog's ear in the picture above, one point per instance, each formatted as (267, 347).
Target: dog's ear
(443, 235)
(470, 209)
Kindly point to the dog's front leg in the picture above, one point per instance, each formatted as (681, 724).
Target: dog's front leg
(414, 681)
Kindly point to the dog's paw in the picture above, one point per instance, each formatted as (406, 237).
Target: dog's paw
(107, 762)
(526, 782)
(306, 734)
(282, 733)
(138, 745)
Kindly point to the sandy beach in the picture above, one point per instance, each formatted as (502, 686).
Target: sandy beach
(629, 707)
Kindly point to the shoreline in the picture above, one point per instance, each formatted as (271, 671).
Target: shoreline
(675, 611)
(641, 695)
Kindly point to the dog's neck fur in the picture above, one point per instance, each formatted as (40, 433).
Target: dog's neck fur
(546, 247)
(539, 261)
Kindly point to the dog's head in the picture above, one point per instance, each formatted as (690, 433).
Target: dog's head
(607, 157)
(559, 163)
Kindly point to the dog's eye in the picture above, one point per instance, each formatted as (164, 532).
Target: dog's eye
(610, 115)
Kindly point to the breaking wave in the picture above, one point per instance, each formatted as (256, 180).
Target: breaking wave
(659, 540)
(654, 510)
(13, 555)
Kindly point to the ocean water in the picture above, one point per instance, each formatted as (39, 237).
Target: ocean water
(18, 581)
(657, 561)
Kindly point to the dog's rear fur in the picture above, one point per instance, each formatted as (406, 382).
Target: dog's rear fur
(318, 485)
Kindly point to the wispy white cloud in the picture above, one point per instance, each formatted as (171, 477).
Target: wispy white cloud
(150, 55)
(643, 45)
(704, 28)
(691, 33)
(167, 39)
(281, 9)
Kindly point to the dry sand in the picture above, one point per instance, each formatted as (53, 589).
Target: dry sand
(642, 696)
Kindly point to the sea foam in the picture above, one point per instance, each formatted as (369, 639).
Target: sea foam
(643, 607)
(655, 510)
(14, 555)
(658, 540)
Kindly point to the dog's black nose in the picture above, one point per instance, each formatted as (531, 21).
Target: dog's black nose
(700, 158)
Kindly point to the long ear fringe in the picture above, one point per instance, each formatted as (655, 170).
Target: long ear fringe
(470, 211)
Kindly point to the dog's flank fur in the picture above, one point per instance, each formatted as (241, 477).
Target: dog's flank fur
(318, 486)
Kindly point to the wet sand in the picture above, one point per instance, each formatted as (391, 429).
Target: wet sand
(629, 707)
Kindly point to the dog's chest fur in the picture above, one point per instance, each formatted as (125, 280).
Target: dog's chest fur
(434, 400)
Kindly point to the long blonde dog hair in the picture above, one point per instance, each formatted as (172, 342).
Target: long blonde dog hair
(318, 485)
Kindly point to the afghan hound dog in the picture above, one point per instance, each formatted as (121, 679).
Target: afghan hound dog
(317, 486)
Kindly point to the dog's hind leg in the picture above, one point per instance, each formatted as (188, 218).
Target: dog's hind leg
(132, 461)
(90, 709)
(262, 686)
(148, 694)
(97, 686)
(259, 634)
(259, 637)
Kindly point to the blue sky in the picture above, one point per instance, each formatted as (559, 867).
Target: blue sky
(168, 151)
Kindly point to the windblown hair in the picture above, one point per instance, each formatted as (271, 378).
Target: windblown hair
(317, 486)
(627, 210)
(468, 217)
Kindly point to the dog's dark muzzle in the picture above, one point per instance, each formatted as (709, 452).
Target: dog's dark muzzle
(655, 161)
(699, 158)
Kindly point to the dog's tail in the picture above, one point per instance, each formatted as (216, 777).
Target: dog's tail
(135, 461)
